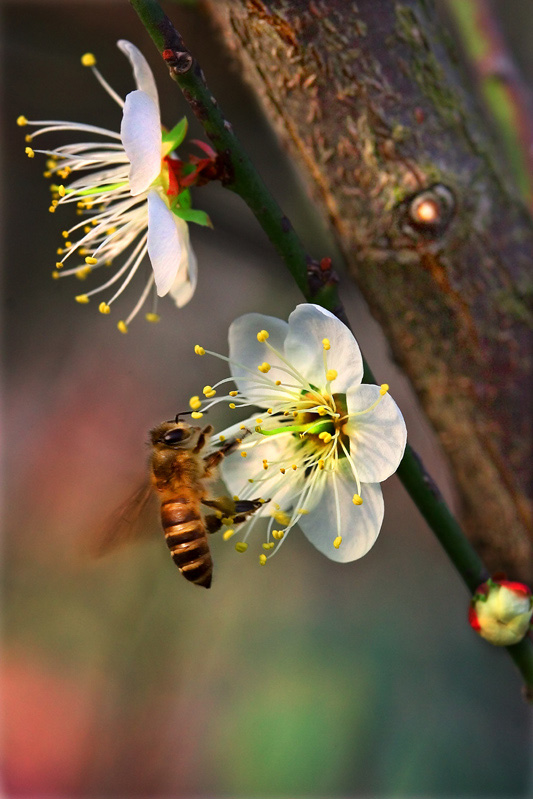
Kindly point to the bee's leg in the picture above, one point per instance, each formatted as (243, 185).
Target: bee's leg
(212, 460)
(212, 523)
(224, 505)
(202, 438)
(245, 507)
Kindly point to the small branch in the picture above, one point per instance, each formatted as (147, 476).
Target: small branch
(317, 283)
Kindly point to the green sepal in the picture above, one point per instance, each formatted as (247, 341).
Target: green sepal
(184, 200)
(175, 136)
(193, 215)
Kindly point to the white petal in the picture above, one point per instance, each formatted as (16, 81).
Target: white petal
(236, 471)
(165, 243)
(377, 438)
(308, 326)
(184, 284)
(142, 73)
(140, 132)
(249, 353)
(359, 525)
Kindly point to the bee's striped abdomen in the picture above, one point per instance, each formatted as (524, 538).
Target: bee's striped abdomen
(186, 538)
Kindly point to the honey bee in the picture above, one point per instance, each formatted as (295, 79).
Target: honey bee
(179, 478)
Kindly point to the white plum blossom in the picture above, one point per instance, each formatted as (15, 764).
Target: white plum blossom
(126, 196)
(322, 441)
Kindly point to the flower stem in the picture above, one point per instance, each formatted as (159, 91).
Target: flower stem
(317, 283)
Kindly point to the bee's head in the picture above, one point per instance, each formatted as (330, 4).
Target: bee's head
(175, 435)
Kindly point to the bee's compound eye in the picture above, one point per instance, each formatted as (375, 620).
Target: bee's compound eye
(175, 436)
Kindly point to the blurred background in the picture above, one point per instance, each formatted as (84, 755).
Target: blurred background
(120, 679)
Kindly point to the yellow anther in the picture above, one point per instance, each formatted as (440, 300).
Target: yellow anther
(294, 467)
(322, 412)
(195, 402)
(278, 534)
(278, 383)
(383, 389)
(282, 470)
(321, 463)
(259, 421)
(281, 517)
(52, 209)
(122, 326)
(264, 367)
(87, 229)
(223, 438)
(59, 264)
(55, 275)
(64, 233)
(326, 437)
(88, 60)
(104, 308)
(207, 389)
(268, 545)
(269, 410)
(82, 272)
(152, 317)
(337, 542)
(240, 546)
(28, 138)
(199, 350)
(111, 230)
(262, 559)
(21, 121)
(60, 251)
(68, 243)
(82, 298)
(227, 520)
(265, 464)
(302, 511)
(51, 163)
(326, 344)
(232, 406)
(238, 440)
(357, 500)
(226, 535)
(250, 480)
(331, 374)
(211, 394)
(55, 203)
(262, 335)
(234, 393)
(61, 191)
(196, 415)
(90, 260)
(244, 454)
(29, 152)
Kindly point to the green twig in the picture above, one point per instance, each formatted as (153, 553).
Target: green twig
(317, 283)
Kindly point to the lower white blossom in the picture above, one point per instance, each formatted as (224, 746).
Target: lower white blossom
(322, 441)
(126, 197)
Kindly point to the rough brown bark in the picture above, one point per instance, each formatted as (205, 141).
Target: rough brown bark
(368, 100)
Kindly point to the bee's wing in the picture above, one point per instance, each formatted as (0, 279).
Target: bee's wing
(134, 520)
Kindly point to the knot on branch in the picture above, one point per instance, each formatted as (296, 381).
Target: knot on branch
(428, 213)
(179, 61)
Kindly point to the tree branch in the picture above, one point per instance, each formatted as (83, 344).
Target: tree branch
(369, 102)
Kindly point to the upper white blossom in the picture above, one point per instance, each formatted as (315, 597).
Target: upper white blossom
(323, 440)
(127, 195)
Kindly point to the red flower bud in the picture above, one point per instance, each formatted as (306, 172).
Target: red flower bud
(501, 611)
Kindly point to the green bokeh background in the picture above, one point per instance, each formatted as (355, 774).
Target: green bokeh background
(305, 678)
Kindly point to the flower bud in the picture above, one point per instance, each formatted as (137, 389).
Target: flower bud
(500, 611)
